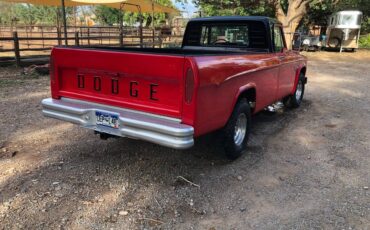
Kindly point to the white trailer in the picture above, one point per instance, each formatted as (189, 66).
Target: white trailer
(343, 30)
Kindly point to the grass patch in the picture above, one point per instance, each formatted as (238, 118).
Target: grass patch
(364, 41)
(11, 82)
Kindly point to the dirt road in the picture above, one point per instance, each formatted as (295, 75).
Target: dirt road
(305, 169)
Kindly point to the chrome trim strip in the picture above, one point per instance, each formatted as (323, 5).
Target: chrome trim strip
(158, 129)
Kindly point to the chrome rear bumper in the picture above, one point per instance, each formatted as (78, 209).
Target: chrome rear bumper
(161, 130)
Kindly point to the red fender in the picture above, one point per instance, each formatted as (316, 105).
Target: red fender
(241, 90)
(299, 69)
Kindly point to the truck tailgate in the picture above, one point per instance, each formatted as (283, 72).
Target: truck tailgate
(147, 82)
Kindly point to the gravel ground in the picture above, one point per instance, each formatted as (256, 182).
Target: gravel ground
(304, 169)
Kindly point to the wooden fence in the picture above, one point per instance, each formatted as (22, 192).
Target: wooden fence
(23, 41)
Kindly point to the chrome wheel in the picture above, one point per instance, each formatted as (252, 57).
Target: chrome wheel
(240, 129)
(299, 91)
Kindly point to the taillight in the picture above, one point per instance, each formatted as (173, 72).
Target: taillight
(51, 69)
(189, 85)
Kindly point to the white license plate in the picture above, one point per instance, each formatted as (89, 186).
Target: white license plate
(106, 119)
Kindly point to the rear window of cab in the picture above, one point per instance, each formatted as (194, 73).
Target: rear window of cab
(250, 34)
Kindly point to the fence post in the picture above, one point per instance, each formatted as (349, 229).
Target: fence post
(77, 40)
(153, 34)
(101, 34)
(121, 38)
(59, 36)
(141, 30)
(16, 49)
(141, 36)
(88, 36)
(42, 35)
(81, 35)
(160, 40)
(28, 41)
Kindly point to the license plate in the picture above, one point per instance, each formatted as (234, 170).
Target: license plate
(106, 119)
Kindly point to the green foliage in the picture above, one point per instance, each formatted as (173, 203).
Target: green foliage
(362, 5)
(318, 13)
(30, 14)
(35, 14)
(365, 26)
(110, 16)
(26, 13)
(5, 13)
(107, 15)
(364, 41)
(234, 7)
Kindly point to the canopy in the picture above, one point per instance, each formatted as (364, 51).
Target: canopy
(46, 2)
(129, 5)
(146, 6)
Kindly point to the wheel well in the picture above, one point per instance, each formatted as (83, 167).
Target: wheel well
(250, 95)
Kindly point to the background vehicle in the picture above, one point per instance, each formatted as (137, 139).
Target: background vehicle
(311, 43)
(227, 69)
(343, 31)
(309, 40)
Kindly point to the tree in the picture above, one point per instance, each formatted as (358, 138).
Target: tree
(6, 16)
(30, 14)
(26, 13)
(318, 14)
(110, 16)
(290, 13)
(234, 7)
(107, 15)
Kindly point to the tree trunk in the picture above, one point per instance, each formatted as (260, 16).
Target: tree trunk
(149, 20)
(290, 20)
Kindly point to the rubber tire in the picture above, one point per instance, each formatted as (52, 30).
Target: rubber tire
(233, 151)
(338, 44)
(291, 101)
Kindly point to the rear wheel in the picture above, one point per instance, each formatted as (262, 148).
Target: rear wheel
(237, 129)
(295, 99)
(334, 42)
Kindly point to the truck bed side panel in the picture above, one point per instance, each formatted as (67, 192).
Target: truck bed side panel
(221, 77)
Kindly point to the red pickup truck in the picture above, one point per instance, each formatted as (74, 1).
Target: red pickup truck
(227, 69)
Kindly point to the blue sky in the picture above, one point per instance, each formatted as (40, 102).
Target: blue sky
(188, 8)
